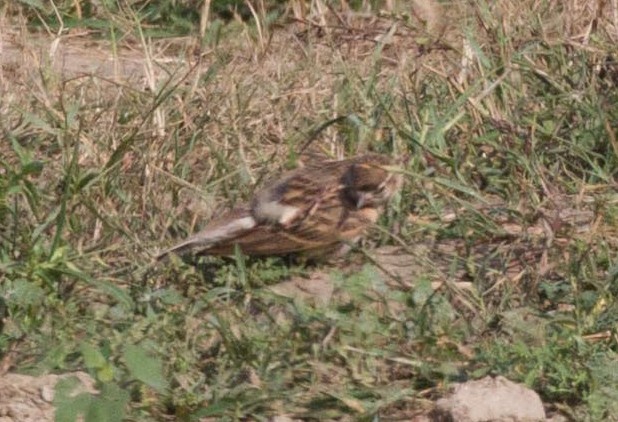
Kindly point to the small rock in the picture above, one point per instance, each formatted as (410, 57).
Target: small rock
(490, 399)
(24, 398)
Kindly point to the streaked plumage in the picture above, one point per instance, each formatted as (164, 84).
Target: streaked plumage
(313, 208)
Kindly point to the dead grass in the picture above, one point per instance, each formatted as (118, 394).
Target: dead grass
(117, 145)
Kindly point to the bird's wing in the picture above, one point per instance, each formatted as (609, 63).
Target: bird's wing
(328, 225)
(298, 194)
(311, 226)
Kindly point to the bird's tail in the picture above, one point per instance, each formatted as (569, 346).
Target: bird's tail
(215, 233)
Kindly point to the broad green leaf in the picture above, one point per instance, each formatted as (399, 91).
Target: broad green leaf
(93, 358)
(145, 368)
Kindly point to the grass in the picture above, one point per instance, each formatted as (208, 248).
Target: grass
(507, 221)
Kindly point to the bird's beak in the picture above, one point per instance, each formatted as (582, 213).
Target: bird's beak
(361, 201)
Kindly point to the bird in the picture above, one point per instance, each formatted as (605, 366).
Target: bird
(320, 207)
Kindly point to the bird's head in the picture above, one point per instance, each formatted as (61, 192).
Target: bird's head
(372, 181)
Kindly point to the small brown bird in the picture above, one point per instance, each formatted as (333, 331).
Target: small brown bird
(308, 210)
